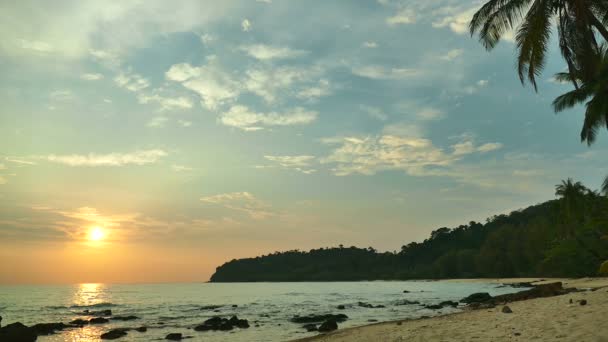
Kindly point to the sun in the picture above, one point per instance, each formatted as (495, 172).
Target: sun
(96, 234)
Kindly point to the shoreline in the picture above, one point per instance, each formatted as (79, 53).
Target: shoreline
(560, 318)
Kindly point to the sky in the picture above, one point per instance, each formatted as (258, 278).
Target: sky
(195, 132)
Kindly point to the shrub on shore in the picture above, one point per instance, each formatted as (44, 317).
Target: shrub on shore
(604, 269)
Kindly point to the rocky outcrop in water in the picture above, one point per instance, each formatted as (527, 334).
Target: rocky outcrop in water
(222, 324)
(114, 334)
(174, 337)
(319, 318)
(124, 318)
(48, 328)
(328, 326)
(17, 332)
(98, 320)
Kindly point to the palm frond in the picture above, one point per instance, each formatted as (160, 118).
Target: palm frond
(605, 186)
(532, 41)
(495, 18)
(571, 99)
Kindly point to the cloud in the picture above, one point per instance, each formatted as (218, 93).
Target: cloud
(111, 159)
(214, 86)
(207, 38)
(452, 54)
(157, 121)
(184, 123)
(298, 163)
(382, 73)
(370, 45)
(132, 82)
(91, 77)
(488, 147)
(61, 95)
(403, 16)
(246, 25)
(368, 155)
(472, 89)
(241, 201)
(243, 118)
(467, 146)
(181, 168)
(458, 21)
(322, 89)
(166, 103)
(19, 161)
(429, 114)
(374, 112)
(269, 52)
(36, 46)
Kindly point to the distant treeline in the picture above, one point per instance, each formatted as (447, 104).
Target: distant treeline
(567, 237)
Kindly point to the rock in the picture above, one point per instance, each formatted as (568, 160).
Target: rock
(583, 302)
(235, 306)
(310, 327)
(538, 291)
(434, 307)
(406, 291)
(372, 320)
(17, 332)
(407, 302)
(47, 328)
(319, 318)
(479, 297)
(107, 312)
(141, 329)
(79, 322)
(114, 334)
(125, 318)
(570, 300)
(328, 326)
(341, 307)
(449, 303)
(174, 337)
(98, 320)
(399, 323)
(369, 306)
(218, 323)
(506, 309)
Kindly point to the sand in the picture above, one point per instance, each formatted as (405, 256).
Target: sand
(542, 319)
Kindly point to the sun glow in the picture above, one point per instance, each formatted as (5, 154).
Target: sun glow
(96, 234)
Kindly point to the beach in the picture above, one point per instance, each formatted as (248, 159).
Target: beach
(559, 318)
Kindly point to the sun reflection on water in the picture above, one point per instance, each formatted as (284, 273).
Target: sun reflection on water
(90, 294)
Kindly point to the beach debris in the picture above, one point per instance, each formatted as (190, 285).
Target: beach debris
(125, 318)
(224, 324)
(327, 326)
(506, 309)
(98, 320)
(174, 336)
(310, 327)
(319, 318)
(582, 302)
(17, 332)
(114, 334)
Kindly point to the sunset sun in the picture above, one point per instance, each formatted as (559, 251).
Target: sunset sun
(96, 234)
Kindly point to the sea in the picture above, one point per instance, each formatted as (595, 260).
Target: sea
(178, 308)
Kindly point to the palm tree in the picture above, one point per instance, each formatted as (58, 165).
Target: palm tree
(605, 186)
(592, 91)
(572, 202)
(577, 24)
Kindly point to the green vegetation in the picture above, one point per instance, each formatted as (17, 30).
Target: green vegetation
(604, 269)
(582, 35)
(559, 238)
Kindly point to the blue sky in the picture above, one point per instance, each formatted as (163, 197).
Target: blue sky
(217, 130)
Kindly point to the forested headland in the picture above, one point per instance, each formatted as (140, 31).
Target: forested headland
(565, 237)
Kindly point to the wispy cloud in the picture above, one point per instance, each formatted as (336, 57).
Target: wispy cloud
(403, 16)
(246, 25)
(383, 73)
(300, 163)
(248, 120)
(111, 159)
(241, 201)
(268, 52)
(131, 81)
(91, 77)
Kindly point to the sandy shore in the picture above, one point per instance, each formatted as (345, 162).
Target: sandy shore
(542, 319)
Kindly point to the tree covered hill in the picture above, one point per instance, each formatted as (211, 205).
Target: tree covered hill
(566, 237)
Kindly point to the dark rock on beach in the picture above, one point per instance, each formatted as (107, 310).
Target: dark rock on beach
(341, 307)
(98, 320)
(449, 303)
(48, 328)
(506, 309)
(79, 322)
(407, 302)
(369, 306)
(174, 337)
(479, 297)
(583, 302)
(310, 327)
(114, 334)
(327, 326)
(538, 291)
(17, 332)
(141, 329)
(319, 318)
(211, 307)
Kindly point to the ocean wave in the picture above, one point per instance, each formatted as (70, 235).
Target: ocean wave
(96, 305)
